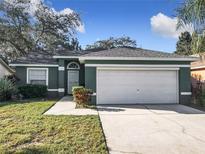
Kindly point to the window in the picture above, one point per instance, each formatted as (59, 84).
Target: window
(73, 65)
(37, 76)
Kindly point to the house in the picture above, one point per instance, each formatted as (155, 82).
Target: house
(198, 67)
(117, 76)
(5, 69)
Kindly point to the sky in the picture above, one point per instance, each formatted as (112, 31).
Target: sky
(152, 23)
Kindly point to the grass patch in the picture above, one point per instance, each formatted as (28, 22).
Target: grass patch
(25, 130)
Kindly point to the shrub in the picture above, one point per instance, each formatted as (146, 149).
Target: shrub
(13, 78)
(33, 91)
(81, 96)
(74, 88)
(7, 89)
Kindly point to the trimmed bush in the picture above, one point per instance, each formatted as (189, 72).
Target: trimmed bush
(74, 88)
(33, 91)
(81, 96)
(7, 89)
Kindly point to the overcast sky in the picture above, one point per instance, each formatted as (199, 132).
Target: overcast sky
(151, 22)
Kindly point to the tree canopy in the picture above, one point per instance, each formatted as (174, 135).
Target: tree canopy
(27, 25)
(113, 42)
(192, 12)
(183, 46)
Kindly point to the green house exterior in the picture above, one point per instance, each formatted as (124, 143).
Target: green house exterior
(83, 69)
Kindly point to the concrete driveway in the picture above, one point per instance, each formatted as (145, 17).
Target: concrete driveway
(153, 129)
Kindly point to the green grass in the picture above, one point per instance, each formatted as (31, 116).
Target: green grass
(23, 129)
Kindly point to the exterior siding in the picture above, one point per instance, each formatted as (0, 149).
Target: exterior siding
(21, 73)
(184, 85)
(61, 78)
(53, 78)
(90, 78)
(87, 76)
(90, 81)
(82, 75)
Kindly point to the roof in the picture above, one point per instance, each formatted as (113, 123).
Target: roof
(39, 57)
(42, 57)
(6, 66)
(132, 52)
(200, 64)
(126, 53)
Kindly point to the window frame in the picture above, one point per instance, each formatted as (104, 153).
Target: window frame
(27, 74)
(73, 68)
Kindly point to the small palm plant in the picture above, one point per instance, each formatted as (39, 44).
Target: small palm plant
(7, 88)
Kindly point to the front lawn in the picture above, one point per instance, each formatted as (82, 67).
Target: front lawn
(23, 129)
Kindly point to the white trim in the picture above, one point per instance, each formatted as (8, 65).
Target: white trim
(186, 93)
(136, 65)
(61, 90)
(129, 58)
(29, 68)
(61, 68)
(73, 68)
(57, 90)
(37, 65)
(52, 89)
(132, 69)
(197, 67)
(177, 86)
(66, 57)
(138, 58)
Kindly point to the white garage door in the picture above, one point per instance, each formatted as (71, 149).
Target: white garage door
(137, 86)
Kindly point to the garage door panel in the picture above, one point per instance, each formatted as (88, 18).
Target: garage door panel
(136, 87)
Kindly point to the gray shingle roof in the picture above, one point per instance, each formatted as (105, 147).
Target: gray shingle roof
(132, 52)
(42, 57)
(39, 57)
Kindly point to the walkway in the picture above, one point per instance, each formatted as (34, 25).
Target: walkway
(66, 106)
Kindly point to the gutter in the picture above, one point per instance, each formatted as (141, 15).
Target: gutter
(81, 58)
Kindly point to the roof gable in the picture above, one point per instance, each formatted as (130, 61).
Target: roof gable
(2, 62)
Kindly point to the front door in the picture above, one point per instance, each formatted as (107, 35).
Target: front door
(73, 79)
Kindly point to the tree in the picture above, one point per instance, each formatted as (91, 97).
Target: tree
(30, 25)
(74, 45)
(112, 42)
(192, 12)
(184, 44)
(198, 43)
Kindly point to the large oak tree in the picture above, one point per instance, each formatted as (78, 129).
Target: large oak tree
(31, 25)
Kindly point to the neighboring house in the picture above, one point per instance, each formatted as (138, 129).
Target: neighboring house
(198, 67)
(117, 76)
(5, 69)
